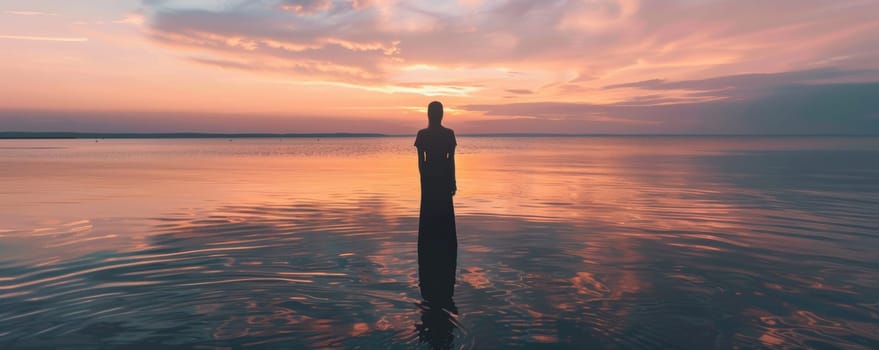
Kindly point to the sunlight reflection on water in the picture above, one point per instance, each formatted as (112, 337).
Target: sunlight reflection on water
(582, 242)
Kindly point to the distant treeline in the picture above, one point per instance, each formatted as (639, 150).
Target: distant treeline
(185, 135)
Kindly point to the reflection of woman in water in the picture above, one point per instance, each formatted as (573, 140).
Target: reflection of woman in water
(437, 238)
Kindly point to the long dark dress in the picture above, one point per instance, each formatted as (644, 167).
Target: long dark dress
(437, 237)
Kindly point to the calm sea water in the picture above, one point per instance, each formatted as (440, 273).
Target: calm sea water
(615, 243)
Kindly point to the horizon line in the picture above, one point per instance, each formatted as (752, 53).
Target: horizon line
(13, 135)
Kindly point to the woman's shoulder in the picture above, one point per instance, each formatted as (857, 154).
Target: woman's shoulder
(451, 137)
(435, 132)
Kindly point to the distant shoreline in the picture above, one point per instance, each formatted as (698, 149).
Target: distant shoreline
(182, 135)
(193, 135)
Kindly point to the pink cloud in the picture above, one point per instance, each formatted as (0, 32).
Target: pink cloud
(597, 37)
(305, 6)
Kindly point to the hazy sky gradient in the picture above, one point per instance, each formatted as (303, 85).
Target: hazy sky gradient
(571, 66)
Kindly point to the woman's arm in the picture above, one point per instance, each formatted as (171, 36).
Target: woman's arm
(452, 165)
(420, 161)
(418, 144)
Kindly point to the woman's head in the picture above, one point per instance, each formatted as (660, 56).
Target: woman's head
(435, 113)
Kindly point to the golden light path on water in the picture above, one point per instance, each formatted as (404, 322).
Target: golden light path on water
(615, 242)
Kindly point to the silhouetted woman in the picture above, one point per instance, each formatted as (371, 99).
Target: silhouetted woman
(437, 238)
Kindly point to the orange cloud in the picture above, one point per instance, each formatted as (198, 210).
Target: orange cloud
(45, 38)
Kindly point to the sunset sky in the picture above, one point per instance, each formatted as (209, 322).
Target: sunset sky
(559, 66)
